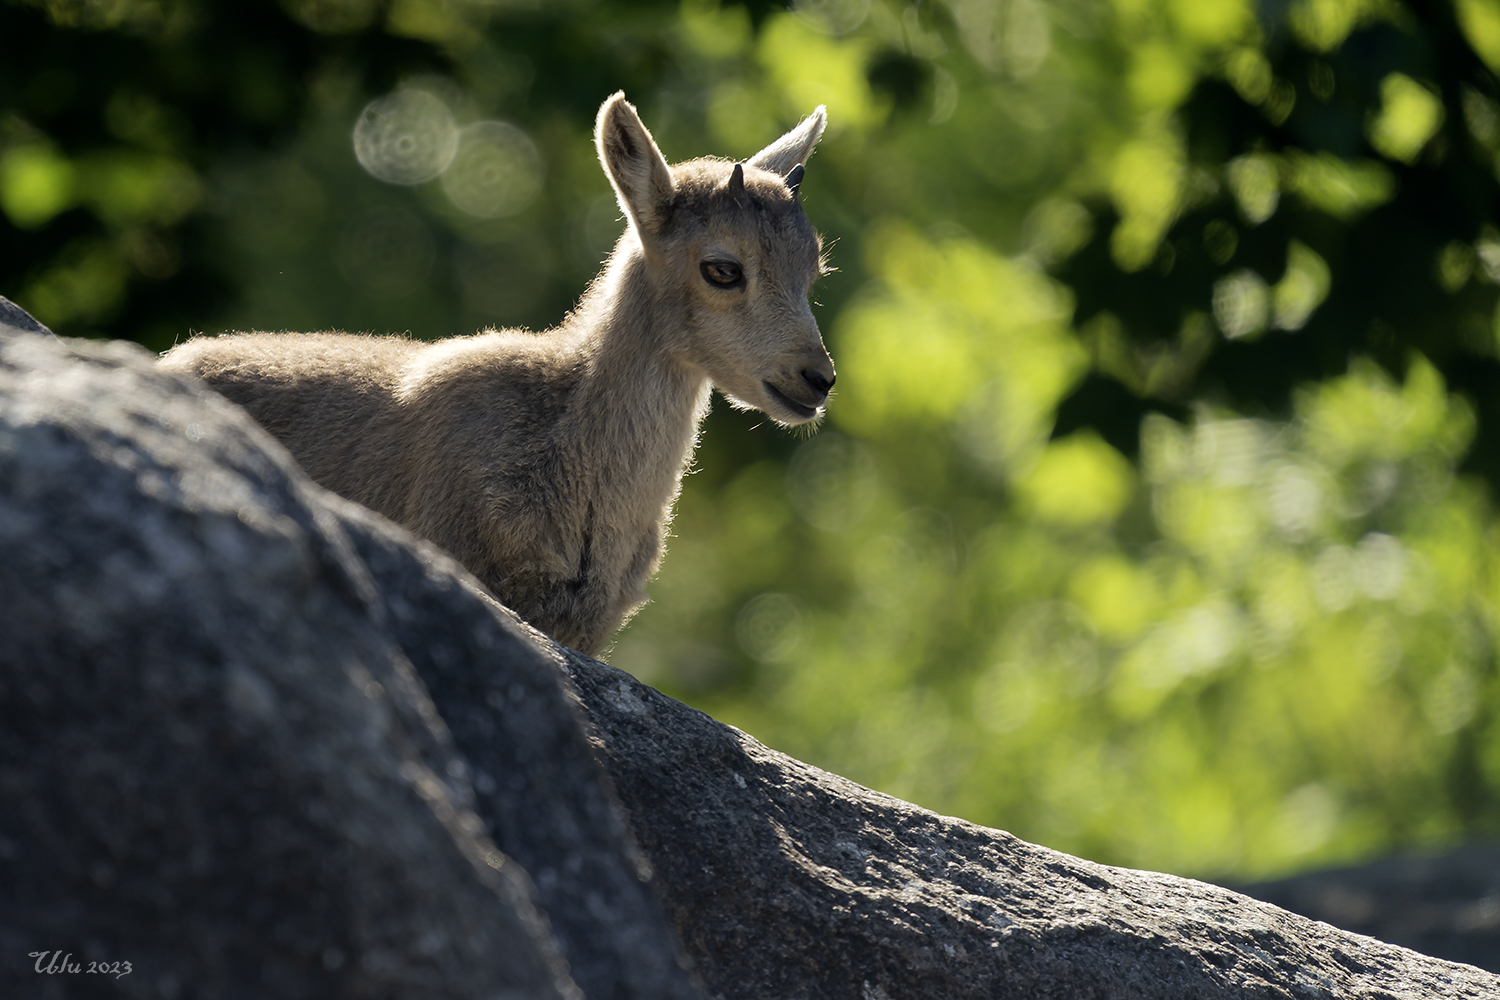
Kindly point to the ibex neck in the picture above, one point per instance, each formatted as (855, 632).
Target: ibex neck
(639, 393)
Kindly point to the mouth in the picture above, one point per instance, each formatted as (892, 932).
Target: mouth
(800, 410)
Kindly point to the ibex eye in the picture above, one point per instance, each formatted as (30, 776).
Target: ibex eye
(724, 273)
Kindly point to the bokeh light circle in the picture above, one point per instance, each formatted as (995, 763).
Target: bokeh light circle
(386, 252)
(497, 171)
(832, 17)
(406, 137)
(769, 627)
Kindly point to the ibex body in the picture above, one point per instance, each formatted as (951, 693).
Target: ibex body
(548, 463)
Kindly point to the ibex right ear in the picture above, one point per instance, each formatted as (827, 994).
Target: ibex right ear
(793, 149)
(636, 168)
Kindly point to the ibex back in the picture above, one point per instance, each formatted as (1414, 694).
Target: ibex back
(548, 463)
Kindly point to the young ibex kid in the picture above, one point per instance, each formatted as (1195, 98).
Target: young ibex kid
(548, 463)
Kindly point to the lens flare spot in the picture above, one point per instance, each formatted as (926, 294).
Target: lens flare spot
(408, 137)
(769, 627)
(496, 173)
(386, 252)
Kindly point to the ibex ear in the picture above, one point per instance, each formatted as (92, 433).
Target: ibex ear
(792, 149)
(642, 181)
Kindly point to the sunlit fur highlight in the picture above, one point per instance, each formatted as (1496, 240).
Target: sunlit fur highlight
(548, 463)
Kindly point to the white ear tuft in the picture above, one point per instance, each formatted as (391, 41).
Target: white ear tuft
(636, 168)
(795, 147)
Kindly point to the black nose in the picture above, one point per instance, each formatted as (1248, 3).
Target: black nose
(820, 384)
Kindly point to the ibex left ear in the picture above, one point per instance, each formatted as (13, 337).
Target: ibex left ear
(793, 149)
(642, 181)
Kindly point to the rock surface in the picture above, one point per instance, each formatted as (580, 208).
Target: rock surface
(218, 764)
(538, 788)
(259, 742)
(14, 316)
(1446, 904)
(787, 881)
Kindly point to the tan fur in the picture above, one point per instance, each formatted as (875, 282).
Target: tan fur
(548, 463)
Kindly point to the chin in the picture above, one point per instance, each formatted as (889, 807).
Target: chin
(781, 414)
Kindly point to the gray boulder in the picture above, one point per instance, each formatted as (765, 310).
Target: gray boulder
(537, 786)
(217, 762)
(1445, 904)
(258, 741)
(787, 881)
(14, 316)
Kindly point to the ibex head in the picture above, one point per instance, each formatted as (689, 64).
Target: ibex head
(729, 245)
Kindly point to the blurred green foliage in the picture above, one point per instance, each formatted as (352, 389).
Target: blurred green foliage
(1153, 518)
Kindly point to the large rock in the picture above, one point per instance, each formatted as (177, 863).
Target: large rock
(1445, 904)
(14, 316)
(788, 881)
(259, 742)
(216, 760)
(538, 787)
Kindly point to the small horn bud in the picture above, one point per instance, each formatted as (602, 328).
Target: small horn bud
(794, 178)
(737, 184)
